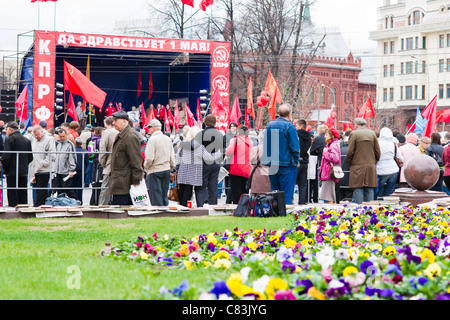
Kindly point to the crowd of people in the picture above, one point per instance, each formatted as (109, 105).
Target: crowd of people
(282, 157)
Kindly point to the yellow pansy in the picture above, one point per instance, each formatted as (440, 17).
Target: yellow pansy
(253, 246)
(274, 285)
(212, 240)
(160, 249)
(228, 242)
(207, 264)
(289, 243)
(349, 241)
(307, 242)
(222, 263)
(389, 251)
(336, 242)
(408, 227)
(301, 233)
(187, 264)
(433, 270)
(350, 270)
(429, 232)
(274, 238)
(221, 255)
(326, 238)
(427, 254)
(144, 256)
(184, 250)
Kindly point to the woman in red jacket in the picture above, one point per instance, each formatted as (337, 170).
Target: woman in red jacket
(239, 149)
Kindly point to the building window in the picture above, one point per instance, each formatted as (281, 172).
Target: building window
(424, 42)
(448, 65)
(386, 23)
(333, 96)
(409, 92)
(416, 17)
(392, 46)
(385, 72)
(424, 66)
(402, 68)
(441, 41)
(416, 92)
(417, 42)
(409, 43)
(386, 48)
(423, 92)
(322, 95)
(448, 40)
(403, 44)
(392, 22)
(391, 94)
(416, 67)
(409, 67)
(385, 95)
(448, 91)
(401, 93)
(441, 91)
(392, 69)
(441, 65)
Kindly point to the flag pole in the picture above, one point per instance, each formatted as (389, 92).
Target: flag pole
(54, 19)
(39, 16)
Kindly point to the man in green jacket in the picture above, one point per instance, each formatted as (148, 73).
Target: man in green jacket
(126, 161)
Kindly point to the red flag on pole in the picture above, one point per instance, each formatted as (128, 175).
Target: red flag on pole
(188, 2)
(190, 121)
(139, 85)
(150, 86)
(235, 113)
(166, 121)
(247, 118)
(199, 114)
(42, 0)
(273, 105)
(250, 105)
(71, 110)
(430, 114)
(177, 118)
(366, 111)
(216, 102)
(22, 105)
(272, 88)
(77, 83)
(144, 117)
(205, 3)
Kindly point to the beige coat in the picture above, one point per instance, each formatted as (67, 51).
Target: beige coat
(362, 157)
(260, 181)
(159, 154)
(106, 145)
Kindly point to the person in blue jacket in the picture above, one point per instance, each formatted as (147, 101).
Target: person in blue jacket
(282, 152)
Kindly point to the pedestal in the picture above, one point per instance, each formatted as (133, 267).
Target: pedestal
(415, 197)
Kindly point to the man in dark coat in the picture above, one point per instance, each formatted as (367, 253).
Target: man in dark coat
(302, 170)
(362, 156)
(212, 139)
(16, 172)
(126, 161)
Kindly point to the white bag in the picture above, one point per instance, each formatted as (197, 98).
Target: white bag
(139, 195)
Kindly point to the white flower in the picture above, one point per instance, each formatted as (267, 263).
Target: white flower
(334, 284)
(195, 257)
(327, 251)
(244, 273)
(358, 236)
(260, 285)
(256, 257)
(342, 254)
(325, 261)
(225, 297)
(443, 251)
(249, 239)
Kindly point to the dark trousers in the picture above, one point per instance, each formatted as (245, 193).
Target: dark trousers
(284, 180)
(42, 179)
(158, 188)
(208, 190)
(302, 182)
(121, 200)
(62, 186)
(15, 196)
(237, 188)
(438, 186)
(78, 183)
(97, 179)
(185, 193)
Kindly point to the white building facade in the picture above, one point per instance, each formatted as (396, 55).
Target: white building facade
(413, 58)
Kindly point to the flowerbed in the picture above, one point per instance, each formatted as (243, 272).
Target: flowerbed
(361, 253)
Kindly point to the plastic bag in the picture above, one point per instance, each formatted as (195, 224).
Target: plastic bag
(139, 195)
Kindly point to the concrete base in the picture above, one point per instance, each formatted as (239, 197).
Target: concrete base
(415, 197)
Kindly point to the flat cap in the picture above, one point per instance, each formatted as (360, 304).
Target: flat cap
(401, 138)
(360, 122)
(154, 123)
(120, 115)
(43, 124)
(13, 125)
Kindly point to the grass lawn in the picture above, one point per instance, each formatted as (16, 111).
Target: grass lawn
(39, 258)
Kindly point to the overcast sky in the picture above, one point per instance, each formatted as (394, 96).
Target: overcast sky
(354, 18)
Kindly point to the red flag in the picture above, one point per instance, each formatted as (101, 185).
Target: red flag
(273, 105)
(205, 3)
(71, 111)
(77, 83)
(166, 121)
(22, 105)
(272, 88)
(366, 111)
(171, 119)
(199, 114)
(188, 2)
(42, 0)
(139, 85)
(150, 86)
(177, 118)
(235, 113)
(330, 120)
(430, 114)
(440, 116)
(250, 105)
(190, 121)
(247, 119)
(144, 117)
(216, 102)
(347, 127)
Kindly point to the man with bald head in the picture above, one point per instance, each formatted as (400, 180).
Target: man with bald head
(282, 152)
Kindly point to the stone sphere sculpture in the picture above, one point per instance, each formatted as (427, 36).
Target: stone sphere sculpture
(422, 172)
